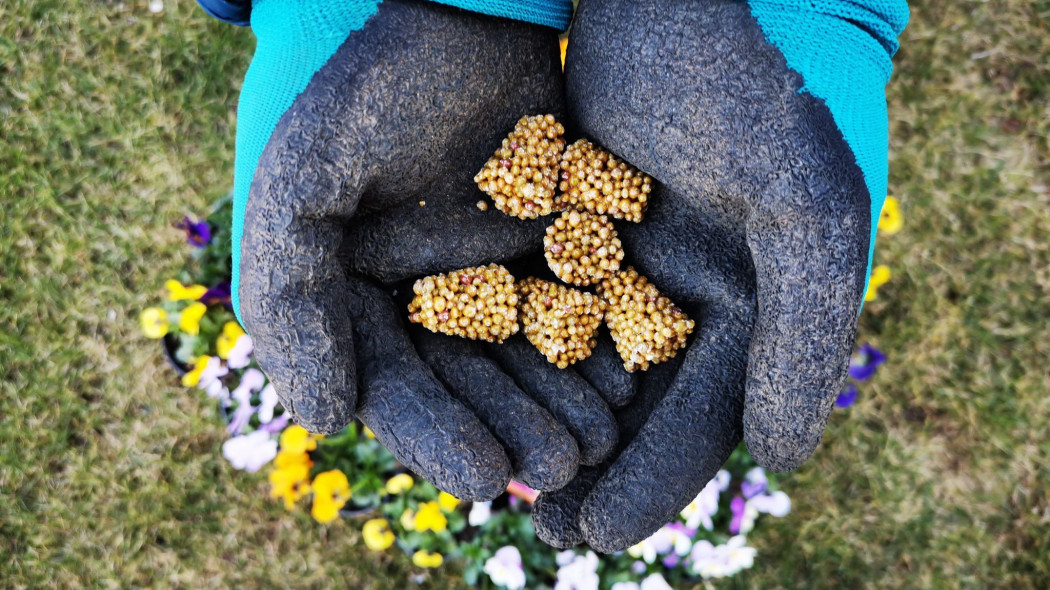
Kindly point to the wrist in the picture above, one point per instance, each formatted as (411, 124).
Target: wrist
(284, 21)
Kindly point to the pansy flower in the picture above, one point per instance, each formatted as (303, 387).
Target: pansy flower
(154, 322)
(179, 292)
(331, 492)
(377, 534)
(295, 439)
(864, 362)
(251, 381)
(880, 275)
(250, 451)
(505, 568)
(399, 484)
(655, 582)
(659, 543)
(709, 561)
(430, 518)
(240, 355)
(290, 479)
(480, 513)
(755, 482)
(198, 233)
(277, 424)
(890, 220)
(847, 397)
(705, 505)
(427, 559)
(231, 331)
(190, 318)
(447, 502)
(219, 294)
(267, 404)
(576, 572)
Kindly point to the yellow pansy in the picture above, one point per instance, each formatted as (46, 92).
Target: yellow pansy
(190, 318)
(880, 275)
(447, 502)
(408, 519)
(231, 331)
(295, 439)
(563, 44)
(399, 484)
(427, 559)
(291, 478)
(890, 221)
(154, 322)
(377, 534)
(331, 491)
(193, 377)
(177, 292)
(286, 459)
(430, 518)
(369, 434)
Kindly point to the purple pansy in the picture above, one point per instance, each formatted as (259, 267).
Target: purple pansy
(739, 508)
(276, 425)
(865, 361)
(198, 233)
(218, 294)
(755, 482)
(671, 561)
(848, 397)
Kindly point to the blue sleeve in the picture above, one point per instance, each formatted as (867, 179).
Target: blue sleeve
(235, 12)
(549, 13)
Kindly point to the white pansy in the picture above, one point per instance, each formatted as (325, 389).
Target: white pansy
(480, 513)
(699, 512)
(655, 582)
(505, 568)
(250, 451)
(581, 573)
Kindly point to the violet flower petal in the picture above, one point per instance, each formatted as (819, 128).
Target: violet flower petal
(847, 398)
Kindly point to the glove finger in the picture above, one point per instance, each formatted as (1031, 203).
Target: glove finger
(809, 240)
(450, 232)
(563, 393)
(604, 371)
(543, 454)
(556, 515)
(684, 441)
(411, 412)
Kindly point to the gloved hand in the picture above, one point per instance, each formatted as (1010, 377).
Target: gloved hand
(365, 180)
(765, 125)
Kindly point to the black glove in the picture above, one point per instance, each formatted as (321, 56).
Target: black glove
(367, 181)
(758, 228)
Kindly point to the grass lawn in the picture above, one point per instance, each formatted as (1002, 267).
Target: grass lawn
(115, 122)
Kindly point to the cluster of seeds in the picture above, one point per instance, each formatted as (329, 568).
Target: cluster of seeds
(582, 248)
(480, 303)
(646, 326)
(597, 181)
(522, 176)
(560, 321)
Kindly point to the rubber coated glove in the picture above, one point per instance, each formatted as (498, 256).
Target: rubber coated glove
(765, 125)
(365, 180)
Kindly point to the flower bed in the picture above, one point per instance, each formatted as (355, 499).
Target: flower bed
(350, 475)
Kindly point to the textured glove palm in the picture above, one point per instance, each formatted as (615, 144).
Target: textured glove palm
(765, 126)
(354, 112)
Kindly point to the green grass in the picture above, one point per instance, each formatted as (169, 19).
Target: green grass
(114, 122)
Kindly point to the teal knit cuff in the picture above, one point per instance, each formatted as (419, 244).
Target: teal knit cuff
(548, 13)
(843, 50)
